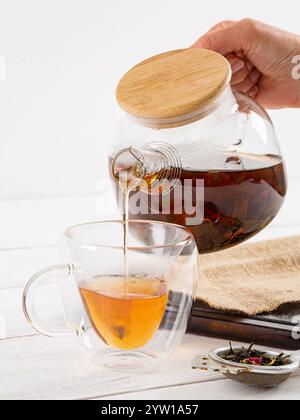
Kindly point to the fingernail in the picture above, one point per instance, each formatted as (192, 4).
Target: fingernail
(253, 92)
(255, 75)
(249, 65)
(237, 65)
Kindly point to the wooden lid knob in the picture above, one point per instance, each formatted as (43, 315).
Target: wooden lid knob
(174, 88)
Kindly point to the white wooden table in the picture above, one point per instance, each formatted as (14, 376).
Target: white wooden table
(36, 367)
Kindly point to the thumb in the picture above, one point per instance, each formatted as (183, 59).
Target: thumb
(232, 38)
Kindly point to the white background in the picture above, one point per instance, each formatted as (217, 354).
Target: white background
(64, 58)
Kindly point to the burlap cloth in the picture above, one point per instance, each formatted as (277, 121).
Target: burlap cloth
(252, 279)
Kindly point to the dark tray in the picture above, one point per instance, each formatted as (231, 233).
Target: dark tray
(274, 330)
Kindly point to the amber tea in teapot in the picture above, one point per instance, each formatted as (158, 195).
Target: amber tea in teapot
(237, 204)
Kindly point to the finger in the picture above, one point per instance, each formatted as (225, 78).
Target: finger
(255, 75)
(249, 65)
(249, 82)
(236, 63)
(222, 25)
(240, 54)
(245, 86)
(254, 92)
(239, 76)
(234, 38)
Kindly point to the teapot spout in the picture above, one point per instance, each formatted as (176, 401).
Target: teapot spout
(147, 168)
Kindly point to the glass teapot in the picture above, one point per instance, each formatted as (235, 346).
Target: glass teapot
(194, 152)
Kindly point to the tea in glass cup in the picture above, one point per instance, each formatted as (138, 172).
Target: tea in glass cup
(125, 311)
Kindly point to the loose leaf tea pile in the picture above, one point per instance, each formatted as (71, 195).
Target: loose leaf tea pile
(254, 357)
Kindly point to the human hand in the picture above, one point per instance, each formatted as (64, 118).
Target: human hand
(262, 58)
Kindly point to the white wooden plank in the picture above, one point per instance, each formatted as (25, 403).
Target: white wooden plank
(17, 266)
(13, 323)
(218, 390)
(35, 222)
(43, 368)
(49, 307)
(25, 223)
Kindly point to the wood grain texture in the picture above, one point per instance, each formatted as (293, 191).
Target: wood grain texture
(174, 84)
(218, 390)
(41, 222)
(18, 265)
(11, 312)
(41, 368)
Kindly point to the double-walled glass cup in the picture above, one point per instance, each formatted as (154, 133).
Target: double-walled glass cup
(122, 322)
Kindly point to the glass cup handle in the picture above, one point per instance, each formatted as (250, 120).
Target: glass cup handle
(29, 307)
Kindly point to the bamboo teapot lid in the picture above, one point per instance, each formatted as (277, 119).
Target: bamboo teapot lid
(174, 88)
